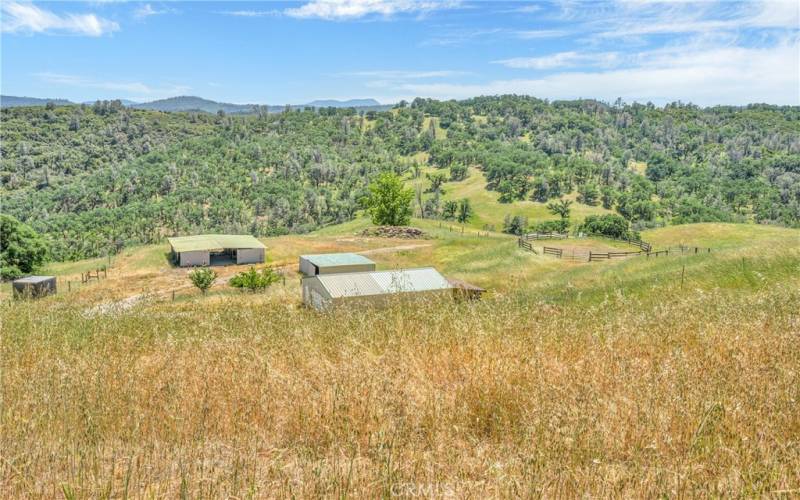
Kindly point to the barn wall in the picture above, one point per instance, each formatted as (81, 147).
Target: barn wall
(387, 299)
(195, 258)
(352, 268)
(306, 267)
(40, 289)
(249, 255)
(314, 294)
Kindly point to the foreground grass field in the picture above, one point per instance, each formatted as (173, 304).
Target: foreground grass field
(640, 377)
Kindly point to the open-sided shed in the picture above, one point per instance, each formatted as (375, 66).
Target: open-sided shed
(329, 263)
(34, 286)
(326, 290)
(216, 249)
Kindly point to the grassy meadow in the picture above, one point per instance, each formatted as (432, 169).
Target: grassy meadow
(675, 376)
(489, 211)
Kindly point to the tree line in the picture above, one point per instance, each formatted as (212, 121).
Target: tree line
(95, 178)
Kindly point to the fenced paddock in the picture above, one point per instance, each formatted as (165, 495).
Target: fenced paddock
(641, 245)
(645, 249)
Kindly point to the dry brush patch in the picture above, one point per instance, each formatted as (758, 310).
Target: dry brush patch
(694, 394)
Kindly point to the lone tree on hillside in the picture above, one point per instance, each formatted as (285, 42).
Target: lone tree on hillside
(22, 250)
(560, 208)
(390, 201)
(203, 278)
(465, 211)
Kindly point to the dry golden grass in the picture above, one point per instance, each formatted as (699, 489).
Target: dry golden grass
(695, 393)
(567, 380)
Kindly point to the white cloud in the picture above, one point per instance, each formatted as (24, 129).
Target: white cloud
(251, 13)
(147, 10)
(339, 10)
(115, 86)
(657, 18)
(702, 75)
(536, 34)
(28, 18)
(562, 60)
(404, 75)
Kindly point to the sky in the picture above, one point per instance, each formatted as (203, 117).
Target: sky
(706, 53)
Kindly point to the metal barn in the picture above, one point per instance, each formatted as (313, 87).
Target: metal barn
(325, 290)
(329, 263)
(34, 286)
(216, 250)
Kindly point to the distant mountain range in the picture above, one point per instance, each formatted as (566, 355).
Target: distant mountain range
(10, 101)
(198, 104)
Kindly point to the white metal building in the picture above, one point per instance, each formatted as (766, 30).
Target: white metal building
(329, 263)
(325, 290)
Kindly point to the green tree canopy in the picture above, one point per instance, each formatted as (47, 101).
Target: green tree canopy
(465, 211)
(22, 250)
(560, 208)
(611, 225)
(390, 201)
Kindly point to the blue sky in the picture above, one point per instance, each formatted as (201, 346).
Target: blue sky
(293, 52)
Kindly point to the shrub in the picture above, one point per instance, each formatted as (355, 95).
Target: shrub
(552, 226)
(517, 224)
(203, 278)
(611, 225)
(254, 280)
(458, 172)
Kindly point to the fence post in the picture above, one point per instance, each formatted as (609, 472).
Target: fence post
(590, 255)
(683, 272)
(69, 286)
(173, 296)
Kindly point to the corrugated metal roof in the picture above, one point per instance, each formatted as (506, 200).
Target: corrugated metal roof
(336, 259)
(213, 242)
(383, 282)
(34, 279)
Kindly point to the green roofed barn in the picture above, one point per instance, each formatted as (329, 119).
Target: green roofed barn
(216, 250)
(330, 263)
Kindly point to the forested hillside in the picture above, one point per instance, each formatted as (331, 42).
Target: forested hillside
(95, 178)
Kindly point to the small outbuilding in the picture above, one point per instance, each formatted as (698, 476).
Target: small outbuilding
(330, 263)
(325, 290)
(34, 286)
(216, 250)
(466, 290)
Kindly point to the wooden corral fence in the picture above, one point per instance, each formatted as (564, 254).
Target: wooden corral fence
(598, 256)
(555, 252)
(642, 245)
(545, 236)
(593, 256)
(679, 250)
(88, 276)
(526, 245)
